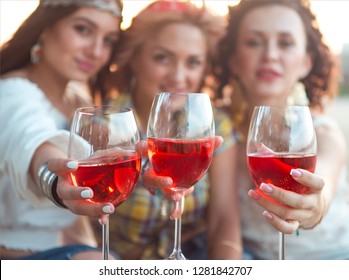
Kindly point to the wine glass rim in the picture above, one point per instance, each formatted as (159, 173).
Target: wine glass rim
(281, 106)
(181, 93)
(89, 109)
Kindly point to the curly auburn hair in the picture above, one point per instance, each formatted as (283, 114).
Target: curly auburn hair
(321, 82)
(150, 21)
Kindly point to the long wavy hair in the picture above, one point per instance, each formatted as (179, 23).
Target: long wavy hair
(15, 53)
(320, 84)
(149, 21)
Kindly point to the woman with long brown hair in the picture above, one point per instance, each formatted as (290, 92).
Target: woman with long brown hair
(60, 42)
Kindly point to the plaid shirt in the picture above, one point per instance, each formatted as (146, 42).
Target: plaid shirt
(142, 221)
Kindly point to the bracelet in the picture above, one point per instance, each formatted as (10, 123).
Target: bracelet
(48, 185)
(232, 244)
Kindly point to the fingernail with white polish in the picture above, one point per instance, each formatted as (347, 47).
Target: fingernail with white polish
(72, 164)
(107, 209)
(296, 173)
(267, 215)
(86, 194)
(266, 188)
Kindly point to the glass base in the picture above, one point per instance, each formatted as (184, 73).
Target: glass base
(176, 256)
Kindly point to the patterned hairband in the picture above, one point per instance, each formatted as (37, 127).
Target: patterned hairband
(104, 5)
(167, 6)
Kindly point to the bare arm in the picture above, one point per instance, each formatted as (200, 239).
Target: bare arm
(224, 235)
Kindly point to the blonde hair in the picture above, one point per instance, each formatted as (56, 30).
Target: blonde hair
(151, 20)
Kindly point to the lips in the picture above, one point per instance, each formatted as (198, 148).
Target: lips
(85, 66)
(267, 74)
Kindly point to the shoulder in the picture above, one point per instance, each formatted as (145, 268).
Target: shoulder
(329, 134)
(19, 87)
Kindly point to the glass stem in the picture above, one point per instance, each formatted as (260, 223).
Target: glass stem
(177, 235)
(177, 251)
(281, 246)
(105, 240)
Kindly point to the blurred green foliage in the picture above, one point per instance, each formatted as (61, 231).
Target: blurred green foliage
(344, 89)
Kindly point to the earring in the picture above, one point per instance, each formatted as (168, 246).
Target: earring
(35, 53)
(298, 95)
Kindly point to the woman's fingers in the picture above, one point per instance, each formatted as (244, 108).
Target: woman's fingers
(87, 208)
(178, 206)
(68, 192)
(153, 181)
(62, 166)
(314, 182)
(285, 226)
(218, 142)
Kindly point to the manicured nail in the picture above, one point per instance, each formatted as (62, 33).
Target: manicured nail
(100, 221)
(86, 194)
(296, 173)
(72, 164)
(267, 215)
(266, 188)
(107, 209)
(168, 181)
(253, 194)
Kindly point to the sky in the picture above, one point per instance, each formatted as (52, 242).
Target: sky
(333, 16)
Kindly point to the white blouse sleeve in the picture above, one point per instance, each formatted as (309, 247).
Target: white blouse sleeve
(26, 121)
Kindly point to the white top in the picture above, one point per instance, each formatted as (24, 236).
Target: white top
(328, 240)
(28, 220)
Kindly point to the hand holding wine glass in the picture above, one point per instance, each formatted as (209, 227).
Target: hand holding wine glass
(280, 139)
(181, 143)
(104, 142)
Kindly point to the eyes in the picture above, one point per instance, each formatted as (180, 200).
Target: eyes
(85, 30)
(283, 42)
(167, 59)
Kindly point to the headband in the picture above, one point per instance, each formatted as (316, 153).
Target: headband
(110, 6)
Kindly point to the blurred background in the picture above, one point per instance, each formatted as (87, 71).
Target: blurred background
(333, 18)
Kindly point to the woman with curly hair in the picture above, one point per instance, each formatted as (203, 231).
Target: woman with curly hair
(273, 54)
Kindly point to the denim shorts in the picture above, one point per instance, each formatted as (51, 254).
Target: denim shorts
(196, 248)
(62, 253)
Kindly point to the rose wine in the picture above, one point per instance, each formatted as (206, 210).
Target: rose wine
(275, 169)
(112, 180)
(185, 161)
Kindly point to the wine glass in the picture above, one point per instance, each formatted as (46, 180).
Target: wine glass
(280, 139)
(104, 142)
(180, 137)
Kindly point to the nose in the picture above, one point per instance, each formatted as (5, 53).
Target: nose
(179, 73)
(271, 51)
(95, 48)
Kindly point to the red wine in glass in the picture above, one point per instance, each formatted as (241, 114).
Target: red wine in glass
(280, 138)
(185, 161)
(275, 169)
(112, 180)
(104, 141)
(180, 135)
